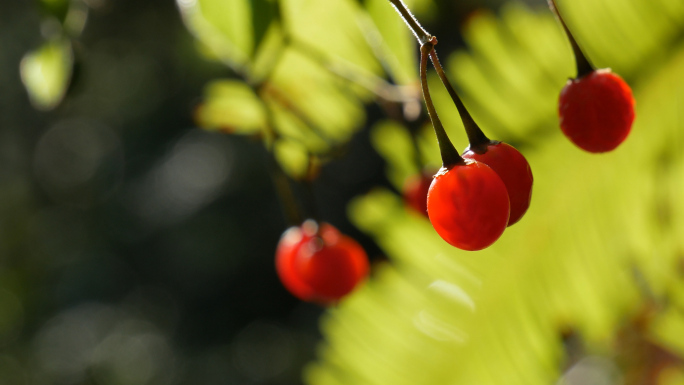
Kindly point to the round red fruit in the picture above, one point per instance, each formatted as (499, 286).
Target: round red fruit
(468, 205)
(596, 111)
(286, 257)
(320, 265)
(514, 171)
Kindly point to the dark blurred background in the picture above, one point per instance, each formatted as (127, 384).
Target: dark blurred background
(134, 247)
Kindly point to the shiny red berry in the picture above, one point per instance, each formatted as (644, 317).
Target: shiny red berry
(596, 111)
(286, 257)
(468, 205)
(415, 192)
(320, 265)
(514, 171)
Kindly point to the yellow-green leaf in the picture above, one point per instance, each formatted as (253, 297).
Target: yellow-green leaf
(231, 106)
(393, 141)
(231, 29)
(46, 73)
(292, 157)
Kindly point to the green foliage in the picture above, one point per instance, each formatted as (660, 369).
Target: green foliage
(233, 107)
(311, 64)
(395, 144)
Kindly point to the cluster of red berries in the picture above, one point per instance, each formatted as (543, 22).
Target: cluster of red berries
(475, 196)
(471, 204)
(318, 263)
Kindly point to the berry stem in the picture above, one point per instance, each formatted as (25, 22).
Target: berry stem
(281, 182)
(285, 194)
(311, 208)
(584, 67)
(478, 140)
(450, 156)
(410, 20)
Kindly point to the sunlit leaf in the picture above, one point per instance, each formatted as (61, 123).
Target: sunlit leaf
(394, 43)
(267, 56)
(289, 125)
(231, 106)
(46, 73)
(292, 157)
(264, 13)
(233, 30)
(330, 27)
(395, 144)
(315, 96)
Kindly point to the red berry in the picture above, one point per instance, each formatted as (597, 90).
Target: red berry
(514, 171)
(320, 265)
(416, 191)
(286, 257)
(468, 205)
(596, 111)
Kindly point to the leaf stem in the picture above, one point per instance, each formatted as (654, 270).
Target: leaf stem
(584, 67)
(478, 140)
(450, 156)
(420, 33)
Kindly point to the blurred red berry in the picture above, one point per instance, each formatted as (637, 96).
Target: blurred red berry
(416, 191)
(319, 264)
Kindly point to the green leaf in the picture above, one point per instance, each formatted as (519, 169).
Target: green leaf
(316, 97)
(292, 157)
(395, 44)
(46, 73)
(331, 27)
(231, 106)
(393, 141)
(233, 30)
(264, 14)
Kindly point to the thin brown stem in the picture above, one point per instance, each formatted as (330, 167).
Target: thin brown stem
(309, 193)
(478, 140)
(584, 67)
(420, 33)
(450, 156)
(281, 182)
